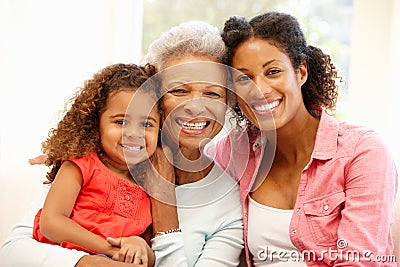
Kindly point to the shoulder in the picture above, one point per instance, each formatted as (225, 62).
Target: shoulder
(366, 150)
(237, 139)
(346, 138)
(354, 129)
(91, 159)
(217, 191)
(228, 147)
(331, 131)
(350, 142)
(88, 165)
(357, 137)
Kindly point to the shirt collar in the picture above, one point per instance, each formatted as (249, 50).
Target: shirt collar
(327, 135)
(326, 140)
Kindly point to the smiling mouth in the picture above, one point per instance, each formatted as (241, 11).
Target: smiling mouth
(266, 107)
(193, 125)
(132, 148)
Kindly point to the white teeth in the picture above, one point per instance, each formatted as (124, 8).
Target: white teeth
(267, 107)
(132, 148)
(193, 126)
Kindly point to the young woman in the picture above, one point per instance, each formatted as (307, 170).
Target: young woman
(316, 192)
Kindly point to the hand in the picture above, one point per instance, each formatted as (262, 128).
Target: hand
(160, 181)
(161, 189)
(133, 249)
(98, 261)
(161, 162)
(38, 160)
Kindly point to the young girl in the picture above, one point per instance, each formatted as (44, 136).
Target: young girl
(93, 195)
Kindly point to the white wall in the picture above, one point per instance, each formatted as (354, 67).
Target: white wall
(47, 49)
(374, 91)
(374, 69)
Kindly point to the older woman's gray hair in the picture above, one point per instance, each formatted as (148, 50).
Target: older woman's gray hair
(189, 38)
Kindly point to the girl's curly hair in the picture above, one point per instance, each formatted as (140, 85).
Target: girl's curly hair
(284, 32)
(77, 134)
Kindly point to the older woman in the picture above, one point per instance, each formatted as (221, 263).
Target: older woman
(194, 101)
(205, 228)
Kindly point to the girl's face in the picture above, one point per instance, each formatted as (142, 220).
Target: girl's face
(267, 86)
(194, 100)
(132, 134)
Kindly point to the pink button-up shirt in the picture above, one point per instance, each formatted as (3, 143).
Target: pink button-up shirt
(344, 208)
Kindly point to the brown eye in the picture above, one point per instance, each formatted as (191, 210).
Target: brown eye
(212, 93)
(242, 78)
(177, 91)
(273, 72)
(121, 122)
(146, 124)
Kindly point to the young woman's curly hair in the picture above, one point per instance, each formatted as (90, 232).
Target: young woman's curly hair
(283, 31)
(77, 134)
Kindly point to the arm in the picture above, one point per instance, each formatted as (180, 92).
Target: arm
(161, 188)
(97, 261)
(224, 243)
(55, 222)
(20, 249)
(213, 238)
(370, 188)
(222, 248)
(38, 160)
(168, 248)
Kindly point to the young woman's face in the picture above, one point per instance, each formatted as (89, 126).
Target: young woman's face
(194, 100)
(267, 86)
(129, 136)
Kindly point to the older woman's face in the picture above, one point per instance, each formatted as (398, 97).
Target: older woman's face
(194, 100)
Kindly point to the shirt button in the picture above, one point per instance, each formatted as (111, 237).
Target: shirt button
(127, 205)
(294, 231)
(326, 207)
(256, 146)
(127, 197)
(298, 209)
